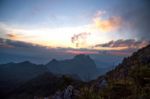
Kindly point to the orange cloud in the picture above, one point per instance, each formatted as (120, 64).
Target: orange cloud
(13, 36)
(18, 37)
(107, 25)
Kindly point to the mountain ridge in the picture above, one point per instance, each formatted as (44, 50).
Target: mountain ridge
(129, 80)
(80, 65)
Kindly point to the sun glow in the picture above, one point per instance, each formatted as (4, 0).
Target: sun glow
(58, 37)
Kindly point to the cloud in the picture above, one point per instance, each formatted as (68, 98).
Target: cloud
(129, 43)
(16, 51)
(11, 32)
(11, 36)
(9, 43)
(100, 13)
(137, 14)
(14, 36)
(55, 37)
(79, 39)
(121, 47)
(108, 24)
(3, 44)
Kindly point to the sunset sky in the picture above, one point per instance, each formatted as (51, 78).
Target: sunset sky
(76, 26)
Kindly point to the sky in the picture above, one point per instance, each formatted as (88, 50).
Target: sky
(64, 27)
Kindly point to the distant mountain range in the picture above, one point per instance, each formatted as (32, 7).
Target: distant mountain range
(13, 75)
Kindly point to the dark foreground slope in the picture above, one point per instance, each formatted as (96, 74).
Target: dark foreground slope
(129, 80)
(14, 74)
(44, 85)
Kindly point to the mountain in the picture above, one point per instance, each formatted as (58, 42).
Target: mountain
(43, 85)
(12, 75)
(15, 74)
(129, 80)
(81, 65)
(139, 60)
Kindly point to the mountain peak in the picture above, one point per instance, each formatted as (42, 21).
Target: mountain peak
(75, 66)
(53, 61)
(26, 62)
(82, 56)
